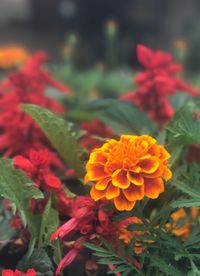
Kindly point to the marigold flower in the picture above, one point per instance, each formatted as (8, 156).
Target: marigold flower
(126, 235)
(181, 224)
(127, 170)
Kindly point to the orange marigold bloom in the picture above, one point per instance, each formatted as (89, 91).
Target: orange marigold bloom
(127, 170)
(126, 235)
(182, 222)
(12, 56)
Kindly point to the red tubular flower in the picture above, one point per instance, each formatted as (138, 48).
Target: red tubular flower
(67, 260)
(37, 167)
(156, 83)
(9, 272)
(87, 220)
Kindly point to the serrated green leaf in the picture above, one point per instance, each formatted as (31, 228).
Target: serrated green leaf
(187, 189)
(167, 268)
(120, 268)
(59, 133)
(183, 128)
(95, 247)
(18, 188)
(185, 202)
(39, 260)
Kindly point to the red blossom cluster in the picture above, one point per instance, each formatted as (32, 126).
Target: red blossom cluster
(9, 272)
(18, 132)
(95, 131)
(22, 139)
(157, 81)
(88, 219)
(38, 167)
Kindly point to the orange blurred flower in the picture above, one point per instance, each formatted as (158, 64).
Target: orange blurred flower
(182, 222)
(127, 170)
(126, 235)
(12, 56)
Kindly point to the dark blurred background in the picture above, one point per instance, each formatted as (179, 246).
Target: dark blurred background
(47, 24)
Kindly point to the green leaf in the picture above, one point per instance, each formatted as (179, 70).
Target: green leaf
(108, 255)
(6, 231)
(183, 128)
(165, 267)
(185, 202)
(39, 260)
(49, 224)
(121, 216)
(121, 116)
(187, 189)
(137, 227)
(18, 188)
(179, 100)
(59, 133)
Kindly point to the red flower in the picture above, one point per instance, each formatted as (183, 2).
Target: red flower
(63, 202)
(37, 167)
(156, 83)
(18, 132)
(88, 220)
(94, 129)
(9, 272)
(67, 260)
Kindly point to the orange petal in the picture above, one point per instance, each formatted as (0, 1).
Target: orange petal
(97, 156)
(122, 204)
(120, 179)
(153, 187)
(167, 174)
(135, 178)
(156, 174)
(112, 192)
(149, 165)
(95, 171)
(102, 184)
(96, 194)
(133, 192)
(164, 154)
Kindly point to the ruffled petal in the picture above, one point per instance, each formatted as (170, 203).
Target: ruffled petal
(122, 204)
(52, 181)
(164, 154)
(102, 183)
(156, 174)
(120, 179)
(133, 192)
(149, 165)
(96, 194)
(97, 156)
(153, 187)
(112, 192)
(167, 174)
(95, 171)
(135, 178)
(23, 163)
